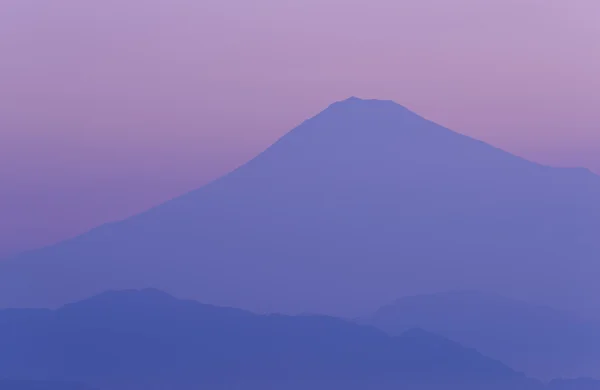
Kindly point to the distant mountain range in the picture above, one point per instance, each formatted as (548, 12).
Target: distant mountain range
(150, 340)
(359, 205)
(537, 340)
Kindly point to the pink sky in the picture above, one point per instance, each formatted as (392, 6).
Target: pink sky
(108, 107)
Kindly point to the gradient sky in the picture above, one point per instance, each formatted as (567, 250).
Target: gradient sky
(108, 107)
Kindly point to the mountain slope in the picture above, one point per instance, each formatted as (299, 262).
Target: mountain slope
(147, 339)
(538, 340)
(364, 202)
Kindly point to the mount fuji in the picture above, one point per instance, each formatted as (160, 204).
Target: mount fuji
(360, 205)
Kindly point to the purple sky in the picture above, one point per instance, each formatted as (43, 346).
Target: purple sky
(108, 107)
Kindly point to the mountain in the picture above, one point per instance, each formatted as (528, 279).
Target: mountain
(363, 203)
(150, 340)
(538, 340)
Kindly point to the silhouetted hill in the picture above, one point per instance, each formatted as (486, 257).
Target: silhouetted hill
(364, 202)
(538, 340)
(146, 339)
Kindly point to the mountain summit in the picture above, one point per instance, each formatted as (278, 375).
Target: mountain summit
(359, 205)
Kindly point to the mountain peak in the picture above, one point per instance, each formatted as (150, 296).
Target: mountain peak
(352, 98)
(354, 103)
(355, 99)
(356, 124)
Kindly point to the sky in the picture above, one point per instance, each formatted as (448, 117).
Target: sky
(110, 107)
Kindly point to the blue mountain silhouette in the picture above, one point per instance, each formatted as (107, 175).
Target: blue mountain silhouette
(363, 203)
(147, 339)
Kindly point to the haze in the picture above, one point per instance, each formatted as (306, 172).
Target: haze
(109, 107)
